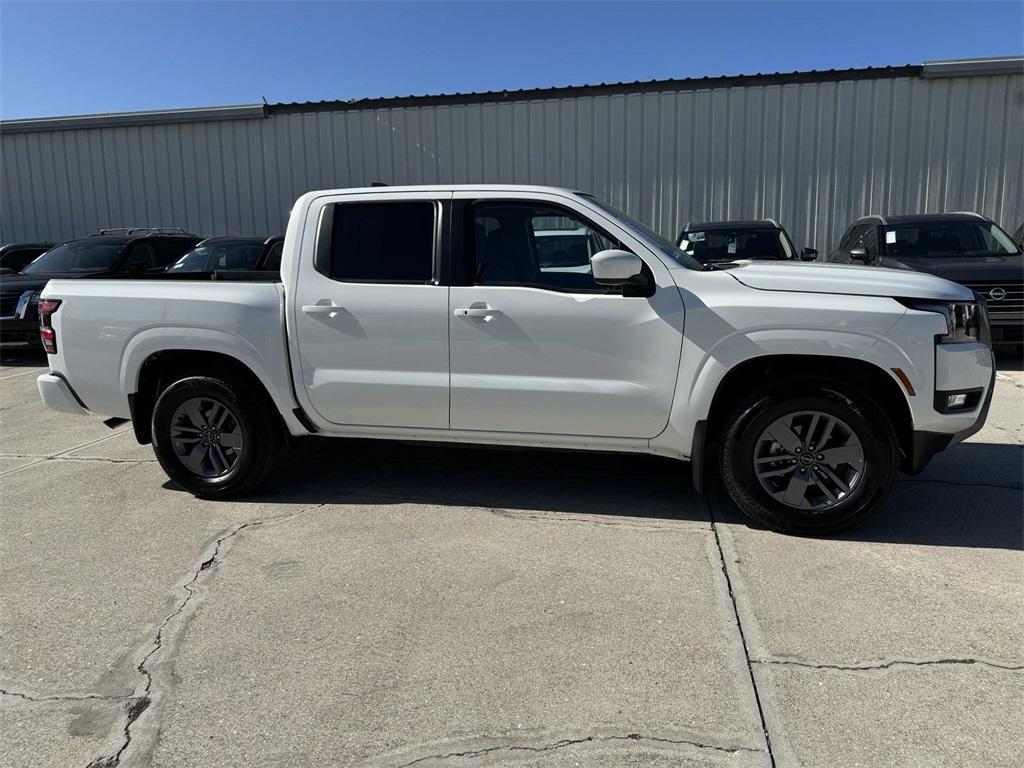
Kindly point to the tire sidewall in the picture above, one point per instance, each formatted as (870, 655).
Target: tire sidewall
(215, 389)
(871, 428)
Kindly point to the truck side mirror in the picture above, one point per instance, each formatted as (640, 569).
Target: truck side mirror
(808, 254)
(615, 267)
(860, 253)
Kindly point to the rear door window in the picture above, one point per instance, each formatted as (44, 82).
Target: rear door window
(379, 242)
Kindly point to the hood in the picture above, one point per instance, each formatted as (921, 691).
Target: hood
(811, 277)
(966, 269)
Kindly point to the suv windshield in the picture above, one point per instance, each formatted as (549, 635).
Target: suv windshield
(648, 235)
(78, 256)
(938, 239)
(219, 256)
(733, 244)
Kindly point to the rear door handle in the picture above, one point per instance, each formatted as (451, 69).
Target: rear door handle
(327, 307)
(484, 312)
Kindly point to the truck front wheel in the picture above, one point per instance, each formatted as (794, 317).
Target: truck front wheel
(213, 436)
(809, 457)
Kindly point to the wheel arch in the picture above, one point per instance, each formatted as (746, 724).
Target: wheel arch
(861, 376)
(159, 368)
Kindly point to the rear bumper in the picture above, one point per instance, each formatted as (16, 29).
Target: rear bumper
(58, 394)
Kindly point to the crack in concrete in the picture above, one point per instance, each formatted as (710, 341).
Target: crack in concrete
(739, 627)
(889, 664)
(140, 702)
(100, 459)
(61, 696)
(562, 743)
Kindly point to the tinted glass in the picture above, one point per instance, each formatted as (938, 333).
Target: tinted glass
(534, 245)
(141, 258)
(273, 260)
(733, 244)
(869, 240)
(170, 249)
(219, 256)
(78, 256)
(651, 238)
(938, 239)
(847, 242)
(382, 242)
(19, 259)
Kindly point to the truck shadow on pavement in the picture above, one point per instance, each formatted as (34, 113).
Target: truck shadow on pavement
(973, 497)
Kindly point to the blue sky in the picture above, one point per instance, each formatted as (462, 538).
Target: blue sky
(83, 57)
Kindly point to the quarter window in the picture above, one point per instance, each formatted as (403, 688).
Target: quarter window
(380, 242)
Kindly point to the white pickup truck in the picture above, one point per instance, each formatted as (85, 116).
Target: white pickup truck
(532, 316)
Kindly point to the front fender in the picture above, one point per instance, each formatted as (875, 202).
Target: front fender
(761, 324)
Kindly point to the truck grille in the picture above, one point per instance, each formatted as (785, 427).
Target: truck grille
(1007, 297)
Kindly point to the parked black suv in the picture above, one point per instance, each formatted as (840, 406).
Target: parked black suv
(966, 248)
(14, 257)
(107, 253)
(720, 241)
(1018, 237)
(217, 254)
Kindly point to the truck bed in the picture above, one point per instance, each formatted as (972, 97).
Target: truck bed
(107, 328)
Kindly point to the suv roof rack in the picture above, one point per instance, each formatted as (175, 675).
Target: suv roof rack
(145, 231)
(969, 213)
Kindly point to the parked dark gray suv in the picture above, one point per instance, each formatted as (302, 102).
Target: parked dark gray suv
(721, 241)
(966, 248)
(110, 252)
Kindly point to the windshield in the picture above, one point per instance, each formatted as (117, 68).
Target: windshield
(946, 239)
(219, 256)
(78, 256)
(733, 244)
(648, 235)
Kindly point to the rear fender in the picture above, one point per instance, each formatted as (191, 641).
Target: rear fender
(263, 366)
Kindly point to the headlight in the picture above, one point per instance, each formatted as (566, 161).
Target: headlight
(965, 320)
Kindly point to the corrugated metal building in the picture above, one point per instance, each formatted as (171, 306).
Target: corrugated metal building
(813, 149)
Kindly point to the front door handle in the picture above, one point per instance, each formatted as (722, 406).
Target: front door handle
(323, 307)
(485, 312)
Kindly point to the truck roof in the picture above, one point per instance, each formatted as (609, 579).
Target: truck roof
(450, 188)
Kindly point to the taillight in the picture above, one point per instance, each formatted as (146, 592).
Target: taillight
(46, 333)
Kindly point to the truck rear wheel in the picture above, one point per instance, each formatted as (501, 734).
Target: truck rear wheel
(809, 457)
(213, 435)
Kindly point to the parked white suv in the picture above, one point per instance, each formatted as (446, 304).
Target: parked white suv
(426, 313)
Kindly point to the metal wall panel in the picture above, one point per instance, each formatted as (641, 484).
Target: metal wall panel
(814, 155)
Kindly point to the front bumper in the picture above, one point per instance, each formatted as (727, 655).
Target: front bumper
(958, 367)
(58, 394)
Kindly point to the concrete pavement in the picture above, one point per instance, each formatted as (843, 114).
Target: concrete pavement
(390, 605)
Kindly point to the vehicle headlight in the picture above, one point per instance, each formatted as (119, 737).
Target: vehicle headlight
(965, 320)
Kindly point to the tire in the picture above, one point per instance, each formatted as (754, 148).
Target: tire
(210, 454)
(787, 487)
